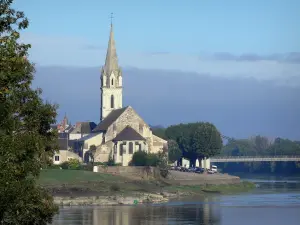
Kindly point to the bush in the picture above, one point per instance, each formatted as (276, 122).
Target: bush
(53, 166)
(142, 158)
(74, 164)
(152, 160)
(139, 158)
(64, 165)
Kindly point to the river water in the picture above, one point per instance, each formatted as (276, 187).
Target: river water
(276, 201)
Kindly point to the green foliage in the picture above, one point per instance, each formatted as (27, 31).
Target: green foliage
(92, 152)
(111, 161)
(139, 158)
(74, 164)
(142, 158)
(65, 165)
(26, 144)
(152, 159)
(159, 160)
(206, 141)
(260, 146)
(160, 132)
(174, 152)
(163, 164)
(196, 140)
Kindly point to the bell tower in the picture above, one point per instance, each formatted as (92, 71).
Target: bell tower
(111, 80)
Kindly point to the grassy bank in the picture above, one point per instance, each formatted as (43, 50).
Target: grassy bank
(78, 183)
(85, 183)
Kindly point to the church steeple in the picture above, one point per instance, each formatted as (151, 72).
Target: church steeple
(111, 79)
(111, 61)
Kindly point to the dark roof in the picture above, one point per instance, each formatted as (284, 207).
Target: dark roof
(84, 127)
(129, 134)
(87, 137)
(63, 143)
(112, 117)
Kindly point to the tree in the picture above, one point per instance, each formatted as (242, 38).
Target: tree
(26, 142)
(206, 141)
(92, 152)
(160, 132)
(174, 152)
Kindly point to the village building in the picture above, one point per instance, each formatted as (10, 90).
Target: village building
(82, 129)
(121, 131)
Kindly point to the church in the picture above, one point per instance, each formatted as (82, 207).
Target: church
(121, 131)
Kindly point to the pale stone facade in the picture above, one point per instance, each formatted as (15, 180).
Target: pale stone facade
(64, 156)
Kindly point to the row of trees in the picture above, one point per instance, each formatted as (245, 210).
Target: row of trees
(261, 146)
(26, 144)
(192, 140)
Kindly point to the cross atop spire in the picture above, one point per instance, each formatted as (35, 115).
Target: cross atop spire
(111, 18)
(111, 61)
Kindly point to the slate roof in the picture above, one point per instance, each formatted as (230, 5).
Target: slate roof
(84, 127)
(112, 117)
(88, 137)
(64, 143)
(129, 134)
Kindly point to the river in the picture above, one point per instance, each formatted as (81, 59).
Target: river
(276, 201)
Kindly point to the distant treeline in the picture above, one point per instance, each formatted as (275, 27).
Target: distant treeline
(255, 146)
(261, 146)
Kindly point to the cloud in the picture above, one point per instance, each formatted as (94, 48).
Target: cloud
(72, 51)
(292, 57)
(239, 107)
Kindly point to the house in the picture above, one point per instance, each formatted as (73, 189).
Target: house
(82, 129)
(65, 152)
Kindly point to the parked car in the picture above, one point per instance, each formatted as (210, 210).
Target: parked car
(214, 168)
(209, 171)
(199, 170)
(191, 169)
(184, 169)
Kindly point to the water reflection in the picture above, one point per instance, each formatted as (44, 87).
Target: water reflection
(203, 213)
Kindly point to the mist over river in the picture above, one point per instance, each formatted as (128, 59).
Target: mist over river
(275, 201)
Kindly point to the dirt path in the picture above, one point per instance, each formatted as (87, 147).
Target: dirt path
(186, 178)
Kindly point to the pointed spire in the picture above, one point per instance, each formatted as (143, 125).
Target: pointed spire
(111, 61)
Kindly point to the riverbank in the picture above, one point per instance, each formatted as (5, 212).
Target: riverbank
(75, 187)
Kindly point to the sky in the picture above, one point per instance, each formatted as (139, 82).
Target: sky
(242, 41)
(169, 34)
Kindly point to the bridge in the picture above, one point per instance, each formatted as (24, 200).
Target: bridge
(280, 158)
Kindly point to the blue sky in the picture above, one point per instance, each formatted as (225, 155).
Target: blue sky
(204, 36)
(190, 26)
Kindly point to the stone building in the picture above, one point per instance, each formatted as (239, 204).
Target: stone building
(121, 131)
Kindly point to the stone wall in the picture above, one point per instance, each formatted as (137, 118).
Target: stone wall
(133, 172)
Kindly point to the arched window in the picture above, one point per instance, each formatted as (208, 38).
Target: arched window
(112, 101)
(112, 82)
(130, 148)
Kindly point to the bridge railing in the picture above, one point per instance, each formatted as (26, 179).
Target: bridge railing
(260, 157)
